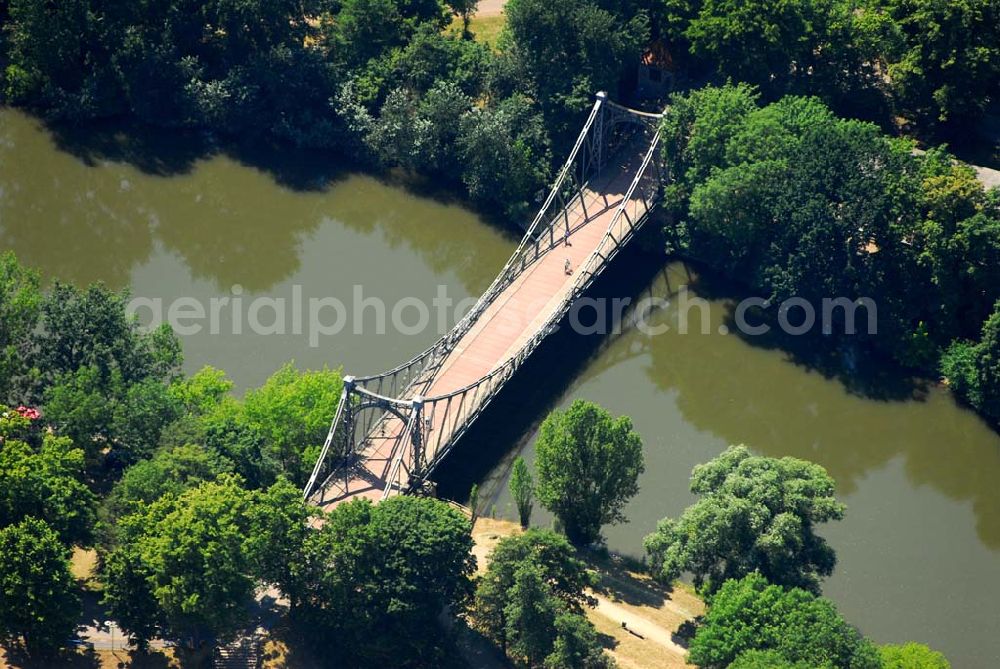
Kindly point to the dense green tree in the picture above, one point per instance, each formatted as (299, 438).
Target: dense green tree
(522, 489)
(46, 46)
(376, 577)
(588, 467)
(505, 153)
(973, 369)
(433, 57)
(695, 129)
(84, 328)
(99, 412)
(754, 514)
(278, 531)
(565, 576)
(750, 614)
(46, 483)
(170, 471)
(293, 410)
(817, 46)
(364, 29)
(571, 50)
(38, 601)
(576, 645)
(277, 429)
(437, 119)
(530, 616)
(20, 306)
(911, 656)
(254, 458)
(988, 366)
(182, 564)
(785, 198)
(201, 392)
(949, 66)
(766, 659)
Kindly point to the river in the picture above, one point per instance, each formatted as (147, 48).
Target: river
(174, 216)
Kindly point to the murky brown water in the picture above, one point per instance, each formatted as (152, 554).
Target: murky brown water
(171, 217)
(919, 550)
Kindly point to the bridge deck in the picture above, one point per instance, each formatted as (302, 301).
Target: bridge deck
(499, 333)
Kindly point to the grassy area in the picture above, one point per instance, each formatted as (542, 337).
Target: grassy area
(102, 659)
(83, 565)
(485, 29)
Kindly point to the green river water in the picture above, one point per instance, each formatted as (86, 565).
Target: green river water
(171, 216)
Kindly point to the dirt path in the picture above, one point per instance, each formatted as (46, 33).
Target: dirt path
(490, 8)
(638, 625)
(651, 612)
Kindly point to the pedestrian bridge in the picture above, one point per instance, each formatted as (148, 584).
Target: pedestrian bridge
(392, 430)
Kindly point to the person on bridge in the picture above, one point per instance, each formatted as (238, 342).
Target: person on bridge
(568, 268)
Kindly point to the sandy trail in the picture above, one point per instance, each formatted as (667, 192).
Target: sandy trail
(644, 627)
(490, 8)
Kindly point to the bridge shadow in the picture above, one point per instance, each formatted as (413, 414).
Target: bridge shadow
(514, 415)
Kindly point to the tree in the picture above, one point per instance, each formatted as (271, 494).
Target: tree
(46, 483)
(377, 577)
(474, 502)
(182, 564)
(38, 601)
(749, 614)
(973, 369)
(201, 392)
(278, 531)
(573, 49)
(92, 328)
(911, 656)
(949, 60)
(464, 9)
(505, 153)
(293, 410)
(170, 471)
(808, 47)
(588, 467)
(530, 616)
(106, 412)
(988, 366)
(755, 514)
(522, 488)
(576, 645)
(20, 306)
(565, 575)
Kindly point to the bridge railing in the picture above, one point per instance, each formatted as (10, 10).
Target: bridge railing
(458, 409)
(368, 403)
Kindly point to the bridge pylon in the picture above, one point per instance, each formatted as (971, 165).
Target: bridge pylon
(391, 430)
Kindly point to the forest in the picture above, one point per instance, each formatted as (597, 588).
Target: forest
(388, 84)
(807, 145)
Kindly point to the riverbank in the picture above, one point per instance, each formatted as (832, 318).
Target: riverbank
(637, 618)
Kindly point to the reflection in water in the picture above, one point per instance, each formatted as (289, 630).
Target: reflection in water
(95, 210)
(169, 216)
(785, 409)
(919, 475)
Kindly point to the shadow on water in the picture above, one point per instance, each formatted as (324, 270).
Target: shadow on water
(859, 371)
(779, 396)
(176, 151)
(116, 196)
(513, 417)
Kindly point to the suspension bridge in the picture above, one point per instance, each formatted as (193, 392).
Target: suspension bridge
(392, 430)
